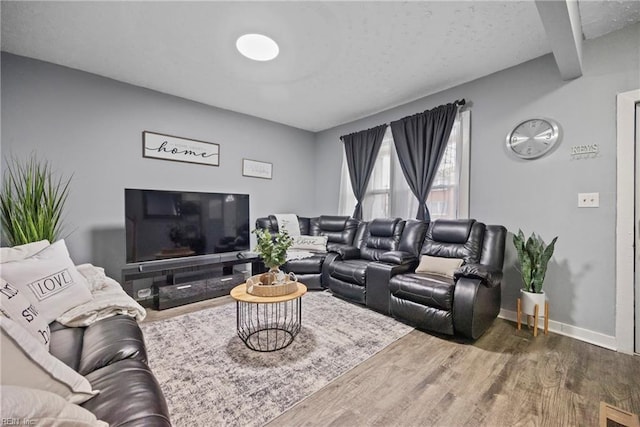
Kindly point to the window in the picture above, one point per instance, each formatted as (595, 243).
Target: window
(388, 194)
(377, 201)
(444, 200)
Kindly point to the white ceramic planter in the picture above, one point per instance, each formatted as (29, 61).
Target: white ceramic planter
(529, 301)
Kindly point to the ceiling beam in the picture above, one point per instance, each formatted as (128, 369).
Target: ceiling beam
(561, 20)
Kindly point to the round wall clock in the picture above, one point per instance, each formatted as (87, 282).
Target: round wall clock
(533, 138)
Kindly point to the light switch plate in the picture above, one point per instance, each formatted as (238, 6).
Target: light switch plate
(588, 200)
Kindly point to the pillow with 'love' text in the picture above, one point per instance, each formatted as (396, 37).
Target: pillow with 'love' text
(310, 243)
(49, 280)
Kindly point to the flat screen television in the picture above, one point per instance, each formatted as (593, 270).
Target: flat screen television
(175, 224)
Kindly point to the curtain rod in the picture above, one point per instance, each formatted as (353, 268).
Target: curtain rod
(459, 103)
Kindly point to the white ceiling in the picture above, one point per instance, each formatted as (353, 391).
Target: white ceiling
(339, 61)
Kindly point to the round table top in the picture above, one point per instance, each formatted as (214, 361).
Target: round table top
(239, 293)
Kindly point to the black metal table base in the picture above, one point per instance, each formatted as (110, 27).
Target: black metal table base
(268, 326)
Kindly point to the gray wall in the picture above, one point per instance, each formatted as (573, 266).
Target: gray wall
(91, 127)
(538, 195)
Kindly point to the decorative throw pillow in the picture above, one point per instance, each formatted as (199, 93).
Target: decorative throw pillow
(16, 307)
(44, 408)
(439, 265)
(26, 363)
(49, 280)
(21, 252)
(310, 243)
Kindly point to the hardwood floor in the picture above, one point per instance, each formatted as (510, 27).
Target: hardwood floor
(505, 378)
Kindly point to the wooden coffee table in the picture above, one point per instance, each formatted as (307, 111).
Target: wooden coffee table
(268, 323)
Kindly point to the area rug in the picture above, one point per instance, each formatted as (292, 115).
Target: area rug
(210, 378)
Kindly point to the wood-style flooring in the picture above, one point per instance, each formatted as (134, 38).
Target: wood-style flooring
(506, 378)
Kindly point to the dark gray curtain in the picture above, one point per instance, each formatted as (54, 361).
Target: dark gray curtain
(362, 149)
(420, 142)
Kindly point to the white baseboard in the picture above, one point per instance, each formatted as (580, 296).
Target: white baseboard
(586, 335)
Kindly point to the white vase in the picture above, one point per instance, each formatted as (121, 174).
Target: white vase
(529, 301)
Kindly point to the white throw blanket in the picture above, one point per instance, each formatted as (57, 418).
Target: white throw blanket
(288, 223)
(108, 300)
(298, 254)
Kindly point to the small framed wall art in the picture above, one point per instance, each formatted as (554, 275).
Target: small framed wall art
(168, 147)
(257, 169)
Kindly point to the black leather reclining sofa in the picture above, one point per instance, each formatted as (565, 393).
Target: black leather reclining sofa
(373, 263)
(111, 355)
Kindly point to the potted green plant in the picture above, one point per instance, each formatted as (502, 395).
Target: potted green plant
(32, 201)
(273, 250)
(533, 256)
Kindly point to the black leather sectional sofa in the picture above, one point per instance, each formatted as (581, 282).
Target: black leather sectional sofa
(374, 263)
(340, 232)
(111, 355)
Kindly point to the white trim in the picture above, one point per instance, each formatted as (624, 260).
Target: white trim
(586, 335)
(625, 189)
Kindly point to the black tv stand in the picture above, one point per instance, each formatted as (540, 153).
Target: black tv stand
(173, 282)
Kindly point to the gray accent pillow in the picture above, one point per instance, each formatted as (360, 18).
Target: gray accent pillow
(439, 266)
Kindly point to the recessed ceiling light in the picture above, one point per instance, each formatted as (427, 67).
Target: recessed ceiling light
(257, 47)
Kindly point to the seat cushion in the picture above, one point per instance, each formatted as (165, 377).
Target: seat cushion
(66, 344)
(351, 271)
(305, 265)
(129, 395)
(422, 316)
(426, 289)
(110, 340)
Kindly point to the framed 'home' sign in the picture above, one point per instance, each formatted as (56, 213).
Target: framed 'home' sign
(168, 147)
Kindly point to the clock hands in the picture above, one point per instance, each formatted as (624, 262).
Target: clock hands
(532, 138)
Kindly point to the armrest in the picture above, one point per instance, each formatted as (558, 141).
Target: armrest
(489, 276)
(475, 306)
(334, 247)
(398, 257)
(348, 252)
(378, 276)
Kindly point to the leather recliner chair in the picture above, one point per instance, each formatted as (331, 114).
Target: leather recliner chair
(340, 231)
(345, 271)
(466, 304)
